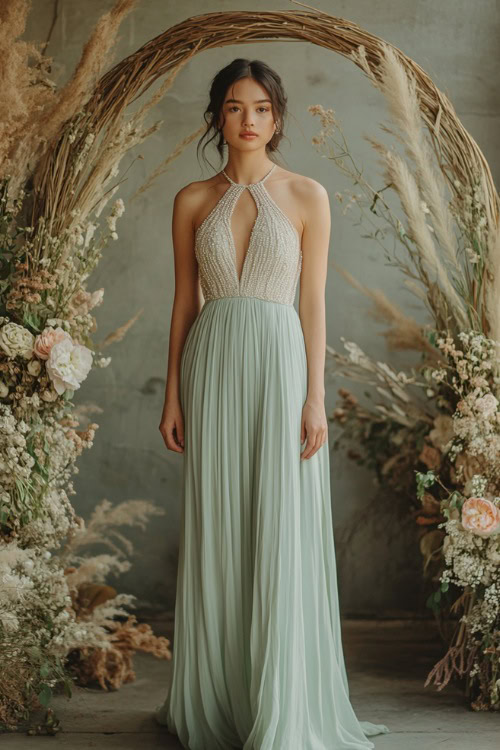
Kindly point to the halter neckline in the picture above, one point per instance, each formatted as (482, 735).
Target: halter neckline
(250, 184)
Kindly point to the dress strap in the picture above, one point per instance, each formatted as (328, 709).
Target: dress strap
(251, 184)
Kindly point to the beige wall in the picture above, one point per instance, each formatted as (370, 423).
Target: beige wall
(456, 42)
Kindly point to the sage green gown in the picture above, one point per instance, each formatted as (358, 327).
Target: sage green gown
(257, 652)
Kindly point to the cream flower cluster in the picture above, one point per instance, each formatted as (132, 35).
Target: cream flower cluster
(36, 469)
(471, 440)
(16, 463)
(40, 368)
(35, 605)
(472, 375)
(116, 211)
(471, 558)
(67, 362)
(471, 551)
(55, 520)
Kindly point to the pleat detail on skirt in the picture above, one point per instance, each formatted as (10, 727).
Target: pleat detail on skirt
(257, 649)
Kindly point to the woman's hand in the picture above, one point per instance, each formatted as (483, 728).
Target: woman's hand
(172, 427)
(313, 426)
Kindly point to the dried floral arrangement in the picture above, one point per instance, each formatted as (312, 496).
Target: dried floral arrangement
(432, 431)
(60, 152)
(59, 620)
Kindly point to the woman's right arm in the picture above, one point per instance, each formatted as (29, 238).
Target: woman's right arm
(186, 306)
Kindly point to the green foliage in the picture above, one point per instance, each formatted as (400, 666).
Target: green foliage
(424, 481)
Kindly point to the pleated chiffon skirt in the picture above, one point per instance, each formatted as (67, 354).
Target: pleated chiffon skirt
(257, 650)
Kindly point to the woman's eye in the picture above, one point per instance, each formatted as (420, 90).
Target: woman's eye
(264, 109)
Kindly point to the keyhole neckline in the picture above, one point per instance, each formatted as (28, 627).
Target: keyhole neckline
(250, 184)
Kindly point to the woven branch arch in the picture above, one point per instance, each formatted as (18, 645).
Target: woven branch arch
(170, 51)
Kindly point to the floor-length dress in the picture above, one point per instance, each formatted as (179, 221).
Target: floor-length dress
(257, 652)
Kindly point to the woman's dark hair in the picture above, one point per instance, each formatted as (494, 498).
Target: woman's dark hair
(242, 68)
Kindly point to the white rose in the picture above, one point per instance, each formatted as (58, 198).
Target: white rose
(34, 367)
(16, 340)
(68, 365)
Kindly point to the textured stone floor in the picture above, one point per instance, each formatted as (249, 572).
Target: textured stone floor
(387, 664)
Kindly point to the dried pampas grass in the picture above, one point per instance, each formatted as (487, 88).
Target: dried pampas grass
(33, 110)
(404, 332)
(102, 527)
(451, 262)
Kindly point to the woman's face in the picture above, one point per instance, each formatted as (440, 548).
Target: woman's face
(247, 107)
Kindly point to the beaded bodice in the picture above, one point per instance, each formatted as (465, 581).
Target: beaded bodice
(272, 262)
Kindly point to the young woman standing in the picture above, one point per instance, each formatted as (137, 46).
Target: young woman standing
(257, 649)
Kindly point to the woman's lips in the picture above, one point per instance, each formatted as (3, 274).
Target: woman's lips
(248, 136)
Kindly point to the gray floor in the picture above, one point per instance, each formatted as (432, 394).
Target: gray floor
(387, 664)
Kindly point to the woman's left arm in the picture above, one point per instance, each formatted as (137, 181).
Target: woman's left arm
(315, 244)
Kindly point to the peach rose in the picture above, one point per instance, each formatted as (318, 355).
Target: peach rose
(481, 516)
(46, 340)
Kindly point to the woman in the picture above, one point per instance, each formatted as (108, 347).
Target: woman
(257, 651)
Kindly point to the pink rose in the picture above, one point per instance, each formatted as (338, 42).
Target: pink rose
(46, 340)
(481, 516)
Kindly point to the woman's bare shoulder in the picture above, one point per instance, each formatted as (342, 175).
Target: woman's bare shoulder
(191, 200)
(302, 186)
(198, 187)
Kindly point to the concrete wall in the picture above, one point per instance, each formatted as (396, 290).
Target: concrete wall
(456, 43)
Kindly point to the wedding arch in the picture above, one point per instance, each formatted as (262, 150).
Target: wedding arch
(170, 51)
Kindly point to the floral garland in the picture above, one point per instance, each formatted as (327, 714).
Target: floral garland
(45, 615)
(59, 620)
(471, 543)
(435, 436)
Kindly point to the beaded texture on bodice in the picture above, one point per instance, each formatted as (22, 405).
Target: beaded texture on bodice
(273, 260)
